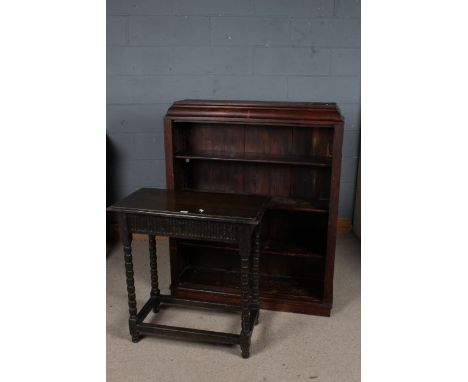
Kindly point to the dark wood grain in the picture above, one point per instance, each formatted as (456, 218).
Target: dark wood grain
(126, 237)
(189, 334)
(189, 204)
(245, 245)
(154, 271)
(230, 218)
(333, 214)
(256, 275)
(301, 113)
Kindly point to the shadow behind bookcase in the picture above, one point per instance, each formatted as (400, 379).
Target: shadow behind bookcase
(290, 151)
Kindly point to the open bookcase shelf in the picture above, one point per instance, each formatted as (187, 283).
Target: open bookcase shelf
(283, 248)
(227, 282)
(297, 204)
(268, 248)
(289, 151)
(256, 158)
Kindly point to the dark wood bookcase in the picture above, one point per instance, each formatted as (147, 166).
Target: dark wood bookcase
(289, 151)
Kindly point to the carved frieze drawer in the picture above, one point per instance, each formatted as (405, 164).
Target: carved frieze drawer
(184, 228)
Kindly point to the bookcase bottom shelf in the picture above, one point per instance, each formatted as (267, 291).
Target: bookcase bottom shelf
(277, 293)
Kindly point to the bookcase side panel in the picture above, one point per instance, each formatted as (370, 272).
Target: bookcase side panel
(333, 213)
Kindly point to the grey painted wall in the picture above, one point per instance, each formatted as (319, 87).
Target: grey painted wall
(160, 51)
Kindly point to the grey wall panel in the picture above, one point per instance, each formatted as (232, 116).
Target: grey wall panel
(160, 51)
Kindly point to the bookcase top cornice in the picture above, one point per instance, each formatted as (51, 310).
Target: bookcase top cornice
(256, 111)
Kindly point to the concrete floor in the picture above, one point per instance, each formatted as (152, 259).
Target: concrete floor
(285, 346)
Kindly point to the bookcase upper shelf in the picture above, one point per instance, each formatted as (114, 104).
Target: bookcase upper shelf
(256, 158)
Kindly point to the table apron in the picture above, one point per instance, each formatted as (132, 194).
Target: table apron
(185, 228)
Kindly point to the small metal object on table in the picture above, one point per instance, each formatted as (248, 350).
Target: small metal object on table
(193, 215)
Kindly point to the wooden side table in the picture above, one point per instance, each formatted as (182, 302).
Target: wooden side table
(199, 216)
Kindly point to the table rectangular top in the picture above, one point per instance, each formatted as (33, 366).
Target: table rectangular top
(193, 204)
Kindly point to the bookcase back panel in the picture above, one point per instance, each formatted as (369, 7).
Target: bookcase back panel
(295, 232)
(260, 139)
(316, 141)
(253, 178)
(227, 259)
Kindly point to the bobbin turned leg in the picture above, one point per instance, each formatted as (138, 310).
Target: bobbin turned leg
(256, 276)
(132, 305)
(154, 272)
(244, 249)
